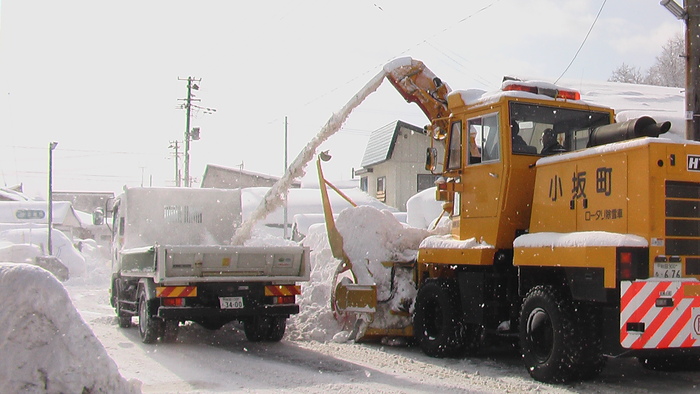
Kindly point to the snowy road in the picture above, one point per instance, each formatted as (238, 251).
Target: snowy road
(204, 361)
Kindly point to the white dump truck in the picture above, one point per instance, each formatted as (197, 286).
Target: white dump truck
(172, 261)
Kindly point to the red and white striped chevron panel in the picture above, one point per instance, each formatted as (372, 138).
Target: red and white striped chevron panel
(659, 314)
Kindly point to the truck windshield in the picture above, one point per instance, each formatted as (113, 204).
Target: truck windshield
(547, 130)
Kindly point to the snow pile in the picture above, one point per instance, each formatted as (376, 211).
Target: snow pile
(46, 346)
(33, 238)
(422, 208)
(315, 320)
(19, 253)
(98, 266)
(448, 242)
(374, 236)
(581, 239)
(371, 236)
(300, 202)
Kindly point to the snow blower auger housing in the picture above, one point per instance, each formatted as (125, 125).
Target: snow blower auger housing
(577, 236)
(355, 305)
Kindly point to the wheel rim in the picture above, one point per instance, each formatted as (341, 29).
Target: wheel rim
(118, 288)
(142, 315)
(540, 334)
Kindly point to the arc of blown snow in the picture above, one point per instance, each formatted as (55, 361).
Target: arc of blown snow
(273, 197)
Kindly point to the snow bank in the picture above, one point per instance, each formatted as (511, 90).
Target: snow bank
(315, 320)
(371, 236)
(581, 239)
(422, 209)
(300, 202)
(46, 346)
(448, 242)
(60, 244)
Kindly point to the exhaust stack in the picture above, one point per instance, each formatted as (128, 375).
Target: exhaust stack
(634, 128)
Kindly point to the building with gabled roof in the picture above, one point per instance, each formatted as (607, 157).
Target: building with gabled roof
(393, 166)
(231, 178)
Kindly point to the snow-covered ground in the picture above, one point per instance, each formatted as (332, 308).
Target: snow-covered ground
(62, 344)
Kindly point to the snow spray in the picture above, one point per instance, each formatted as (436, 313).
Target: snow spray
(274, 197)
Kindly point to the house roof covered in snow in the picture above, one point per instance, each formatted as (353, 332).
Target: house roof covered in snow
(381, 142)
(226, 177)
(12, 194)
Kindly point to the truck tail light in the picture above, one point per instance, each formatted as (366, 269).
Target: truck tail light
(632, 263)
(176, 301)
(625, 266)
(284, 300)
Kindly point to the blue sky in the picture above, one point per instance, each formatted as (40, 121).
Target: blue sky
(101, 78)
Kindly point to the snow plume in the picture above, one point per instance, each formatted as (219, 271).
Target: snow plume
(45, 344)
(275, 196)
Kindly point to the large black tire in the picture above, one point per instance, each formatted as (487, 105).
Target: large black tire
(437, 325)
(150, 327)
(264, 328)
(551, 342)
(255, 328)
(278, 325)
(124, 318)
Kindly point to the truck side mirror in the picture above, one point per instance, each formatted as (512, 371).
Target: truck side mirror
(430, 158)
(98, 217)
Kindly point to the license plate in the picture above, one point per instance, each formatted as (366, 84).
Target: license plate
(667, 270)
(231, 302)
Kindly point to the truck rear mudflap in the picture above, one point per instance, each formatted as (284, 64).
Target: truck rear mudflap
(660, 314)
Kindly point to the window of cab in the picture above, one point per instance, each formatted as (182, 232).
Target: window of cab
(484, 139)
(454, 155)
(545, 130)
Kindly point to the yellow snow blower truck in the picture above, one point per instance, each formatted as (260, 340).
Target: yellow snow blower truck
(576, 235)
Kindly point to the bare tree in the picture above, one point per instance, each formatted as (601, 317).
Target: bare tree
(626, 73)
(668, 70)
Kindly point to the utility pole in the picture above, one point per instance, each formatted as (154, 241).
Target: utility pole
(52, 146)
(191, 134)
(692, 81)
(188, 108)
(691, 15)
(176, 146)
(286, 235)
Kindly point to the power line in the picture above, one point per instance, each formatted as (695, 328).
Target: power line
(82, 150)
(482, 9)
(584, 41)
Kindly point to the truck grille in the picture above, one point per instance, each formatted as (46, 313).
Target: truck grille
(682, 218)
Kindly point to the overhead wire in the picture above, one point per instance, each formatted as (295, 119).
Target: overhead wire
(368, 71)
(584, 41)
